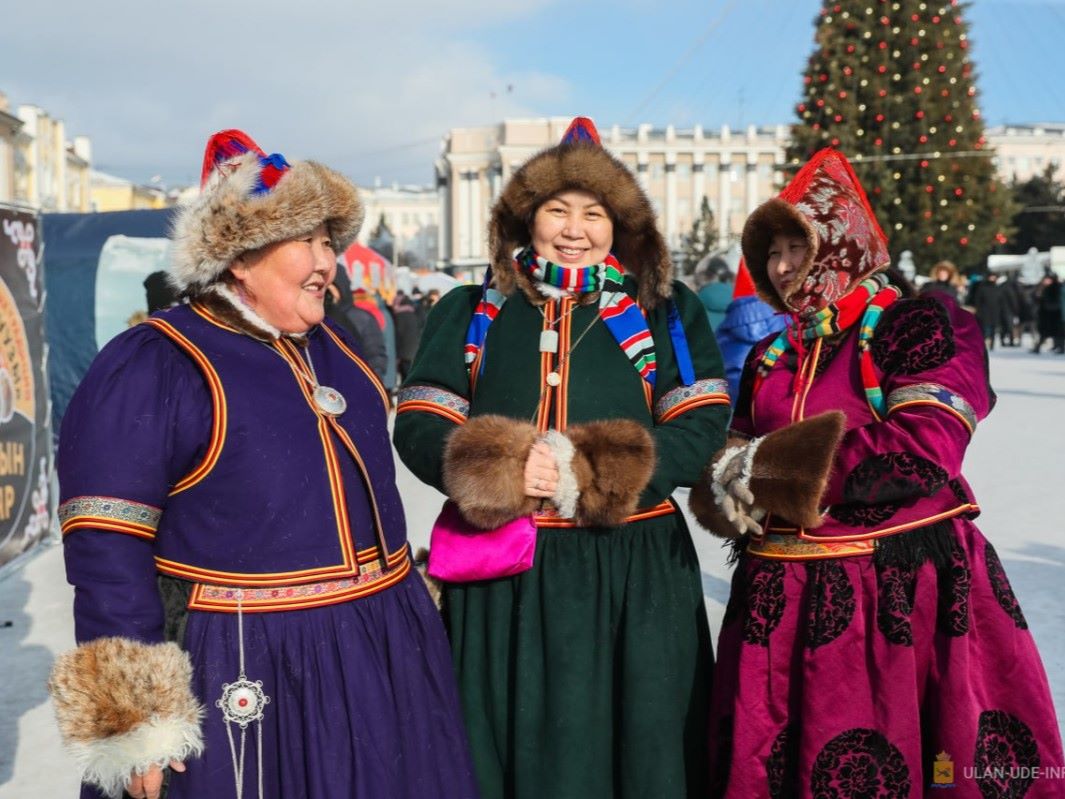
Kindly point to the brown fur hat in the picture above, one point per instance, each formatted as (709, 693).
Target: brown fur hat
(234, 214)
(582, 164)
(773, 217)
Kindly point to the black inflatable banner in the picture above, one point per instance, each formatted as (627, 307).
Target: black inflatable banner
(26, 503)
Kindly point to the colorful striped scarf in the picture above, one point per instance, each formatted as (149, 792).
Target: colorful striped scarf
(865, 303)
(618, 310)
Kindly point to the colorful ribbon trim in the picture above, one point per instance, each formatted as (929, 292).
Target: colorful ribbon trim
(933, 394)
(433, 400)
(685, 398)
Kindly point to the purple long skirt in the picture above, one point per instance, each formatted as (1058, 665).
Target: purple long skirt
(840, 678)
(363, 702)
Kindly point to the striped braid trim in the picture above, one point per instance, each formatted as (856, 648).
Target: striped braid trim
(935, 395)
(674, 403)
(430, 399)
(109, 513)
(552, 521)
(218, 405)
(375, 574)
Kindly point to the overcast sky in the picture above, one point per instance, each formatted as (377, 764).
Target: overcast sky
(371, 87)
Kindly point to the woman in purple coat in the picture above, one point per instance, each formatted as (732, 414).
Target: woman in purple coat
(245, 606)
(872, 646)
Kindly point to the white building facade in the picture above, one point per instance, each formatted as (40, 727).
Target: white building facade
(677, 168)
(412, 214)
(735, 170)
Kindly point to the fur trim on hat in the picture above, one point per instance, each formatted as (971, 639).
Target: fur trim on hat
(227, 219)
(586, 167)
(122, 706)
(613, 462)
(825, 203)
(484, 470)
(767, 220)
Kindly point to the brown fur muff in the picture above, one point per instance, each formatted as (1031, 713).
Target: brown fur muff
(792, 466)
(613, 462)
(586, 167)
(110, 686)
(789, 474)
(228, 219)
(484, 469)
(773, 217)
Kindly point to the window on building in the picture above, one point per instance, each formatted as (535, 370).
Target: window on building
(684, 171)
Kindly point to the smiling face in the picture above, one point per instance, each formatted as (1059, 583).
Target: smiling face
(573, 229)
(285, 282)
(787, 252)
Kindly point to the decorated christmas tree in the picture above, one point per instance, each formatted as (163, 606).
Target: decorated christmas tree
(891, 84)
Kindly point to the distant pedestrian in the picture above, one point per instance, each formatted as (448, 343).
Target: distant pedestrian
(989, 305)
(359, 322)
(716, 291)
(945, 280)
(1048, 314)
(405, 317)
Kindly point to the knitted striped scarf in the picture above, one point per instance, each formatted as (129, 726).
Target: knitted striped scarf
(618, 310)
(865, 303)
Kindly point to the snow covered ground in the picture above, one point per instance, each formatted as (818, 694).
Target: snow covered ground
(1016, 466)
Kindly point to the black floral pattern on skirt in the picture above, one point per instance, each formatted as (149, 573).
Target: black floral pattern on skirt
(1006, 754)
(1000, 586)
(860, 764)
(874, 489)
(962, 495)
(765, 600)
(782, 765)
(737, 596)
(955, 580)
(896, 588)
(913, 336)
(831, 604)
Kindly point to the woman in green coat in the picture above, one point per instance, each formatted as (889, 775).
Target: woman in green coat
(581, 386)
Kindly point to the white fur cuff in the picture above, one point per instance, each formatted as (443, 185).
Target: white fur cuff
(122, 706)
(567, 493)
(107, 763)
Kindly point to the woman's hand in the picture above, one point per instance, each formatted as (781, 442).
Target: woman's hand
(149, 784)
(541, 472)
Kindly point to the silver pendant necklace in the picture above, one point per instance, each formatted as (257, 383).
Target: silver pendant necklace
(243, 702)
(329, 401)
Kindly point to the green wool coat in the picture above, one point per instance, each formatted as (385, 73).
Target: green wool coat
(588, 675)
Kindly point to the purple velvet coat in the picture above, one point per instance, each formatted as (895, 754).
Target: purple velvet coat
(193, 450)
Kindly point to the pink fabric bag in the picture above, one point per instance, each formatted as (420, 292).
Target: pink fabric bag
(461, 553)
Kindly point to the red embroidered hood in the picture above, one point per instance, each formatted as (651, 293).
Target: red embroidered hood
(826, 204)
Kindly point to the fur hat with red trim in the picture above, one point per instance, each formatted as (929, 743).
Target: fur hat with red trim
(579, 162)
(249, 199)
(825, 204)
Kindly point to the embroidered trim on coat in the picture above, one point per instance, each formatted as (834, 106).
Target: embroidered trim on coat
(109, 513)
(933, 394)
(682, 399)
(433, 400)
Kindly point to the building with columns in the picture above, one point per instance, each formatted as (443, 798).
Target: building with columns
(51, 173)
(10, 128)
(1025, 151)
(412, 214)
(736, 171)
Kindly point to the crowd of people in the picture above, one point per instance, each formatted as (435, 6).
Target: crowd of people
(248, 616)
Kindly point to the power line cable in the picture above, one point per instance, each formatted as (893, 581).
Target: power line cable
(685, 56)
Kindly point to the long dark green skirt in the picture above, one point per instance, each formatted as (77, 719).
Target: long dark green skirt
(588, 676)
